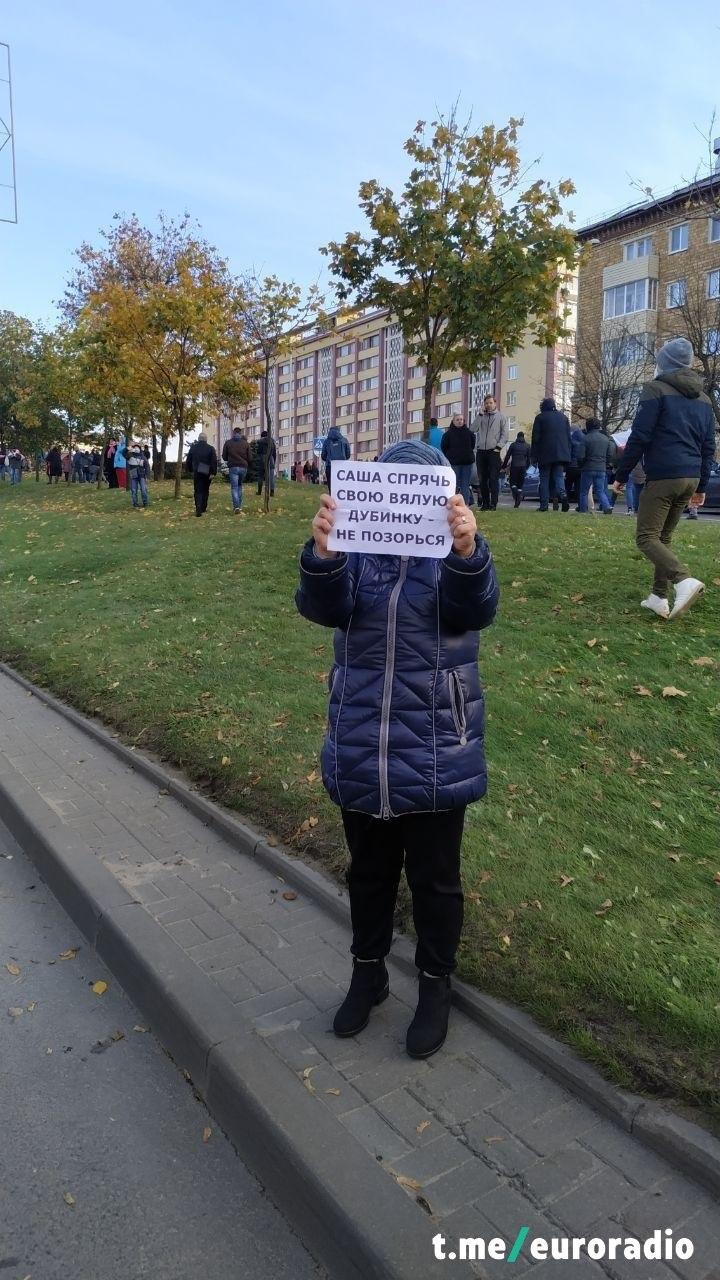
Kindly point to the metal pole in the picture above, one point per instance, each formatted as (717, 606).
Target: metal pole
(13, 185)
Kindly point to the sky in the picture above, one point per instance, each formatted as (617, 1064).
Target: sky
(261, 119)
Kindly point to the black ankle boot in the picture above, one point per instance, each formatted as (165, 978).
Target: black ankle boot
(369, 986)
(428, 1029)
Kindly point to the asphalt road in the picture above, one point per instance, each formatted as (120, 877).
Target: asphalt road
(104, 1170)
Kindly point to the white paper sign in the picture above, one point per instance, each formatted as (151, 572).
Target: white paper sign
(391, 509)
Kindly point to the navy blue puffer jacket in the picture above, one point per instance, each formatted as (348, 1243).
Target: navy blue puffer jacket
(406, 722)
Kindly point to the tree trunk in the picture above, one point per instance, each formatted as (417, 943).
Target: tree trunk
(106, 437)
(179, 463)
(163, 454)
(155, 454)
(427, 408)
(268, 425)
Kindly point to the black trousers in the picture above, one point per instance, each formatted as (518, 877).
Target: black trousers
(517, 477)
(429, 844)
(572, 483)
(201, 490)
(488, 468)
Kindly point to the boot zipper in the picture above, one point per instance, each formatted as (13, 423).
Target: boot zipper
(385, 811)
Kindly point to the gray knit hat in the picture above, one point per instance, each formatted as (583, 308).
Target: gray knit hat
(415, 451)
(676, 354)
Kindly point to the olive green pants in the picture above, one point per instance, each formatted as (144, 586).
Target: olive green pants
(662, 503)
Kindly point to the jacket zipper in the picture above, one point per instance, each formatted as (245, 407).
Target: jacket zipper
(385, 811)
(457, 702)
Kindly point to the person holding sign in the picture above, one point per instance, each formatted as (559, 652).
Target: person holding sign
(403, 756)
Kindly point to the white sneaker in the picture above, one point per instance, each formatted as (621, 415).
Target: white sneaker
(658, 604)
(686, 593)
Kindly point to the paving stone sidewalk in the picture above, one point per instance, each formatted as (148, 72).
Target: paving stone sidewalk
(486, 1141)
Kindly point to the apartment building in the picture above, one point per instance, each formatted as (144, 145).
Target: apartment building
(648, 272)
(358, 377)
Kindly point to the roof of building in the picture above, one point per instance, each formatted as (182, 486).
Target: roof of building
(701, 191)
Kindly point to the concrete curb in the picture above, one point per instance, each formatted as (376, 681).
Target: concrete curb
(349, 1213)
(689, 1147)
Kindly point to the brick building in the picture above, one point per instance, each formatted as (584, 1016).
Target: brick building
(358, 377)
(647, 273)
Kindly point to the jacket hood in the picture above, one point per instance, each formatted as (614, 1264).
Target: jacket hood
(334, 432)
(687, 381)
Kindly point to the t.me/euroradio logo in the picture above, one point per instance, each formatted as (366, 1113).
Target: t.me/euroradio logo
(661, 1246)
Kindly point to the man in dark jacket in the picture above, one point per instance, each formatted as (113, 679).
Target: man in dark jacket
(335, 449)
(551, 450)
(236, 452)
(596, 454)
(458, 445)
(491, 435)
(202, 462)
(403, 756)
(674, 436)
(517, 459)
(264, 465)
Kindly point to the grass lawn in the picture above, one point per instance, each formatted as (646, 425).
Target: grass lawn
(593, 867)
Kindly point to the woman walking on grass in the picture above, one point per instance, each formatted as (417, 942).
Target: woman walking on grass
(404, 755)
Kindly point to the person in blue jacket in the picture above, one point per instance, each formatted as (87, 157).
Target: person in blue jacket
(404, 752)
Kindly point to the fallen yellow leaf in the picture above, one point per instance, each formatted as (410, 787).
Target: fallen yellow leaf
(99, 988)
(70, 954)
(671, 692)
(702, 662)
(642, 692)
(225, 760)
(14, 1011)
(422, 1126)
(591, 643)
(335, 1092)
(14, 969)
(603, 910)
(69, 1199)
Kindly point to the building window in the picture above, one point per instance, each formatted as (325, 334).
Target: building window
(416, 393)
(345, 349)
(307, 362)
(345, 411)
(449, 385)
(372, 341)
(641, 248)
(284, 388)
(512, 423)
(307, 381)
(283, 406)
(370, 362)
(675, 294)
(449, 410)
(713, 284)
(512, 372)
(511, 399)
(418, 371)
(304, 400)
(285, 368)
(366, 406)
(679, 238)
(632, 349)
(415, 415)
(714, 230)
(624, 299)
(344, 369)
(368, 384)
(347, 390)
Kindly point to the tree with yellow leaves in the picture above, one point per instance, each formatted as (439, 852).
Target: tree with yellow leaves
(467, 257)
